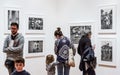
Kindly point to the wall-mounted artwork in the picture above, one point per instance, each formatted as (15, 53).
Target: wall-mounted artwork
(107, 51)
(76, 32)
(35, 46)
(78, 29)
(107, 19)
(35, 24)
(11, 15)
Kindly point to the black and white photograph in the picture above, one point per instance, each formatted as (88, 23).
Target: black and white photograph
(35, 46)
(13, 16)
(76, 32)
(106, 51)
(106, 18)
(35, 23)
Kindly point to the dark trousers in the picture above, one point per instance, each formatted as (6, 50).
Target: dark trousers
(9, 65)
(89, 71)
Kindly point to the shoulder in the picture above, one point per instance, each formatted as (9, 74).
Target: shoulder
(14, 72)
(27, 73)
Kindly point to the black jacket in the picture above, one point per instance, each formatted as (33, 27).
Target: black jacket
(83, 43)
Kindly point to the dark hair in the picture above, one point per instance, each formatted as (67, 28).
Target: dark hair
(15, 24)
(19, 60)
(58, 32)
(88, 33)
(49, 59)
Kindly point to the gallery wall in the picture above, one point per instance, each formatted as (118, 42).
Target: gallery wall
(59, 13)
(82, 12)
(46, 9)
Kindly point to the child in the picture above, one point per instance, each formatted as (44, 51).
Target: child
(50, 64)
(19, 63)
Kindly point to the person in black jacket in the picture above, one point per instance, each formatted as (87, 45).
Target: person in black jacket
(84, 43)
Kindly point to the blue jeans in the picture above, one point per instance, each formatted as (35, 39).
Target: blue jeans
(63, 69)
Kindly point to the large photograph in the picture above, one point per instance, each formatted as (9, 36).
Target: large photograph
(35, 23)
(35, 46)
(76, 32)
(107, 52)
(13, 16)
(107, 19)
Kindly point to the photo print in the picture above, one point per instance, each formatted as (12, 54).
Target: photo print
(13, 16)
(106, 51)
(76, 32)
(106, 18)
(35, 46)
(35, 23)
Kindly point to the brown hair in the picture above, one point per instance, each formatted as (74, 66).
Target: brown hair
(19, 60)
(58, 32)
(15, 24)
(49, 59)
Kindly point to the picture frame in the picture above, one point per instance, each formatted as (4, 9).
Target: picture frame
(107, 19)
(12, 14)
(35, 24)
(34, 47)
(107, 52)
(78, 29)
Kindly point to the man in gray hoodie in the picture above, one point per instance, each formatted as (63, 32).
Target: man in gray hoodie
(13, 47)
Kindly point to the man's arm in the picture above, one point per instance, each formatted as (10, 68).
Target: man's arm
(6, 46)
(19, 48)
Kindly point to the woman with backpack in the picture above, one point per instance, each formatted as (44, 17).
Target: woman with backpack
(84, 50)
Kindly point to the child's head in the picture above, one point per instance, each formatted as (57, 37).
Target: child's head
(49, 59)
(19, 64)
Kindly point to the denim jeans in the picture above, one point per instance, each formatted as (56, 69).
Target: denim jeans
(9, 65)
(63, 69)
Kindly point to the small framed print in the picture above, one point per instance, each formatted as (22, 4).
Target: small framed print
(35, 47)
(11, 15)
(107, 19)
(35, 24)
(107, 52)
(77, 30)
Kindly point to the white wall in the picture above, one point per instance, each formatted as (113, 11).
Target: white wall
(44, 8)
(58, 13)
(84, 11)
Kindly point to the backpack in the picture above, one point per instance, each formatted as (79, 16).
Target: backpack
(89, 55)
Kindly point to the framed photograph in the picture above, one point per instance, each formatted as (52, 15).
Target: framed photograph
(35, 24)
(107, 19)
(35, 46)
(107, 51)
(77, 30)
(11, 15)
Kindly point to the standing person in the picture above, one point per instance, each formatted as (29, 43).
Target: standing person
(19, 63)
(85, 43)
(62, 46)
(13, 47)
(50, 65)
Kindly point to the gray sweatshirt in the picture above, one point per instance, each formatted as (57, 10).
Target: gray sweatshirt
(13, 48)
(50, 68)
